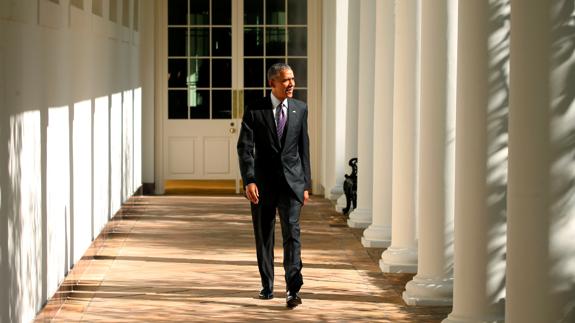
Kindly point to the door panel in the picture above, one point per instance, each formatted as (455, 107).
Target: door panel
(181, 153)
(217, 155)
(207, 154)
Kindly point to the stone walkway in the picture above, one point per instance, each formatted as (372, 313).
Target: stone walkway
(188, 259)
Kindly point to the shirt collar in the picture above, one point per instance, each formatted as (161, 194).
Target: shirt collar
(276, 101)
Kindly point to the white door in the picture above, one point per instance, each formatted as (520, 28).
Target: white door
(218, 52)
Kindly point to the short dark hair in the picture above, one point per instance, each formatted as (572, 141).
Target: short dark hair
(276, 68)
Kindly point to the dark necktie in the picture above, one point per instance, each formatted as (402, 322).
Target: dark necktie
(281, 121)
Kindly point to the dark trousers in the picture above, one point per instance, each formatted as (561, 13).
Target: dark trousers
(264, 218)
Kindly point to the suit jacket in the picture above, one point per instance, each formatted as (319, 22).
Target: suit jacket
(264, 159)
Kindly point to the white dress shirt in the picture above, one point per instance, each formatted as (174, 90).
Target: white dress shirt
(275, 103)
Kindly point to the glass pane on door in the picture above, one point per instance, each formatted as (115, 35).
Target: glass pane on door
(222, 12)
(299, 66)
(222, 42)
(222, 73)
(178, 104)
(297, 12)
(199, 12)
(275, 41)
(177, 41)
(199, 102)
(198, 73)
(254, 12)
(254, 74)
(222, 103)
(297, 39)
(275, 12)
(199, 42)
(177, 72)
(177, 12)
(253, 41)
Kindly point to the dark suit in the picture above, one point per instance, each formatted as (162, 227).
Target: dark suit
(281, 171)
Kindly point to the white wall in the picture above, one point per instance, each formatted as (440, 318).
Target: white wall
(70, 138)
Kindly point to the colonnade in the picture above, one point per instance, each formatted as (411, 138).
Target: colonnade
(465, 115)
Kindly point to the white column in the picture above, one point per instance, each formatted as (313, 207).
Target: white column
(401, 256)
(378, 234)
(334, 94)
(433, 284)
(147, 75)
(160, 96)
(480, 162)
(541, 215)
(352, 92)
(361, 216)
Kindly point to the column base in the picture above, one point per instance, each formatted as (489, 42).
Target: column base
(464, 319)
(335, 192)
(493, 314)
(399, 260)
(429, 291)
(376, 236)
(359, 218)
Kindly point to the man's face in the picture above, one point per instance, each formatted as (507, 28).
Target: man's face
(283, 84)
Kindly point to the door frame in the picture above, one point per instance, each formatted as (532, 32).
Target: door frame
(314, 36)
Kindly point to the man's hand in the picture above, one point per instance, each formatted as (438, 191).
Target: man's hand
(305, 197)
(252, 193)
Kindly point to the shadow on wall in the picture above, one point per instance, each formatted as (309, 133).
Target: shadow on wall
(55, 195)
(562, 163)
(497, 149)
(22, 218)
(3, 134)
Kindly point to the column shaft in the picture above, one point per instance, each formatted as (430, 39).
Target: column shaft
(433, 284)
(335, 76)
(480, 162)
(401, 256)
(541, 252)
(378, 234)
(361, 216)
(352, 92)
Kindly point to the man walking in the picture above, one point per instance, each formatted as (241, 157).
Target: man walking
(273, 150)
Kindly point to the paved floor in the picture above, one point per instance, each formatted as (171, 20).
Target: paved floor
(186, 259)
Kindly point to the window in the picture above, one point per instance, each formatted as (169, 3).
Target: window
(200, 59)
(200, 38)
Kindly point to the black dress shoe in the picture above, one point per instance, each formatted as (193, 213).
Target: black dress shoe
(293, 300)
(266, 294)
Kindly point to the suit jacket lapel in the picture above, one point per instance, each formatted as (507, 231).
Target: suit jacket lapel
(271, 123)
(291, 120)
